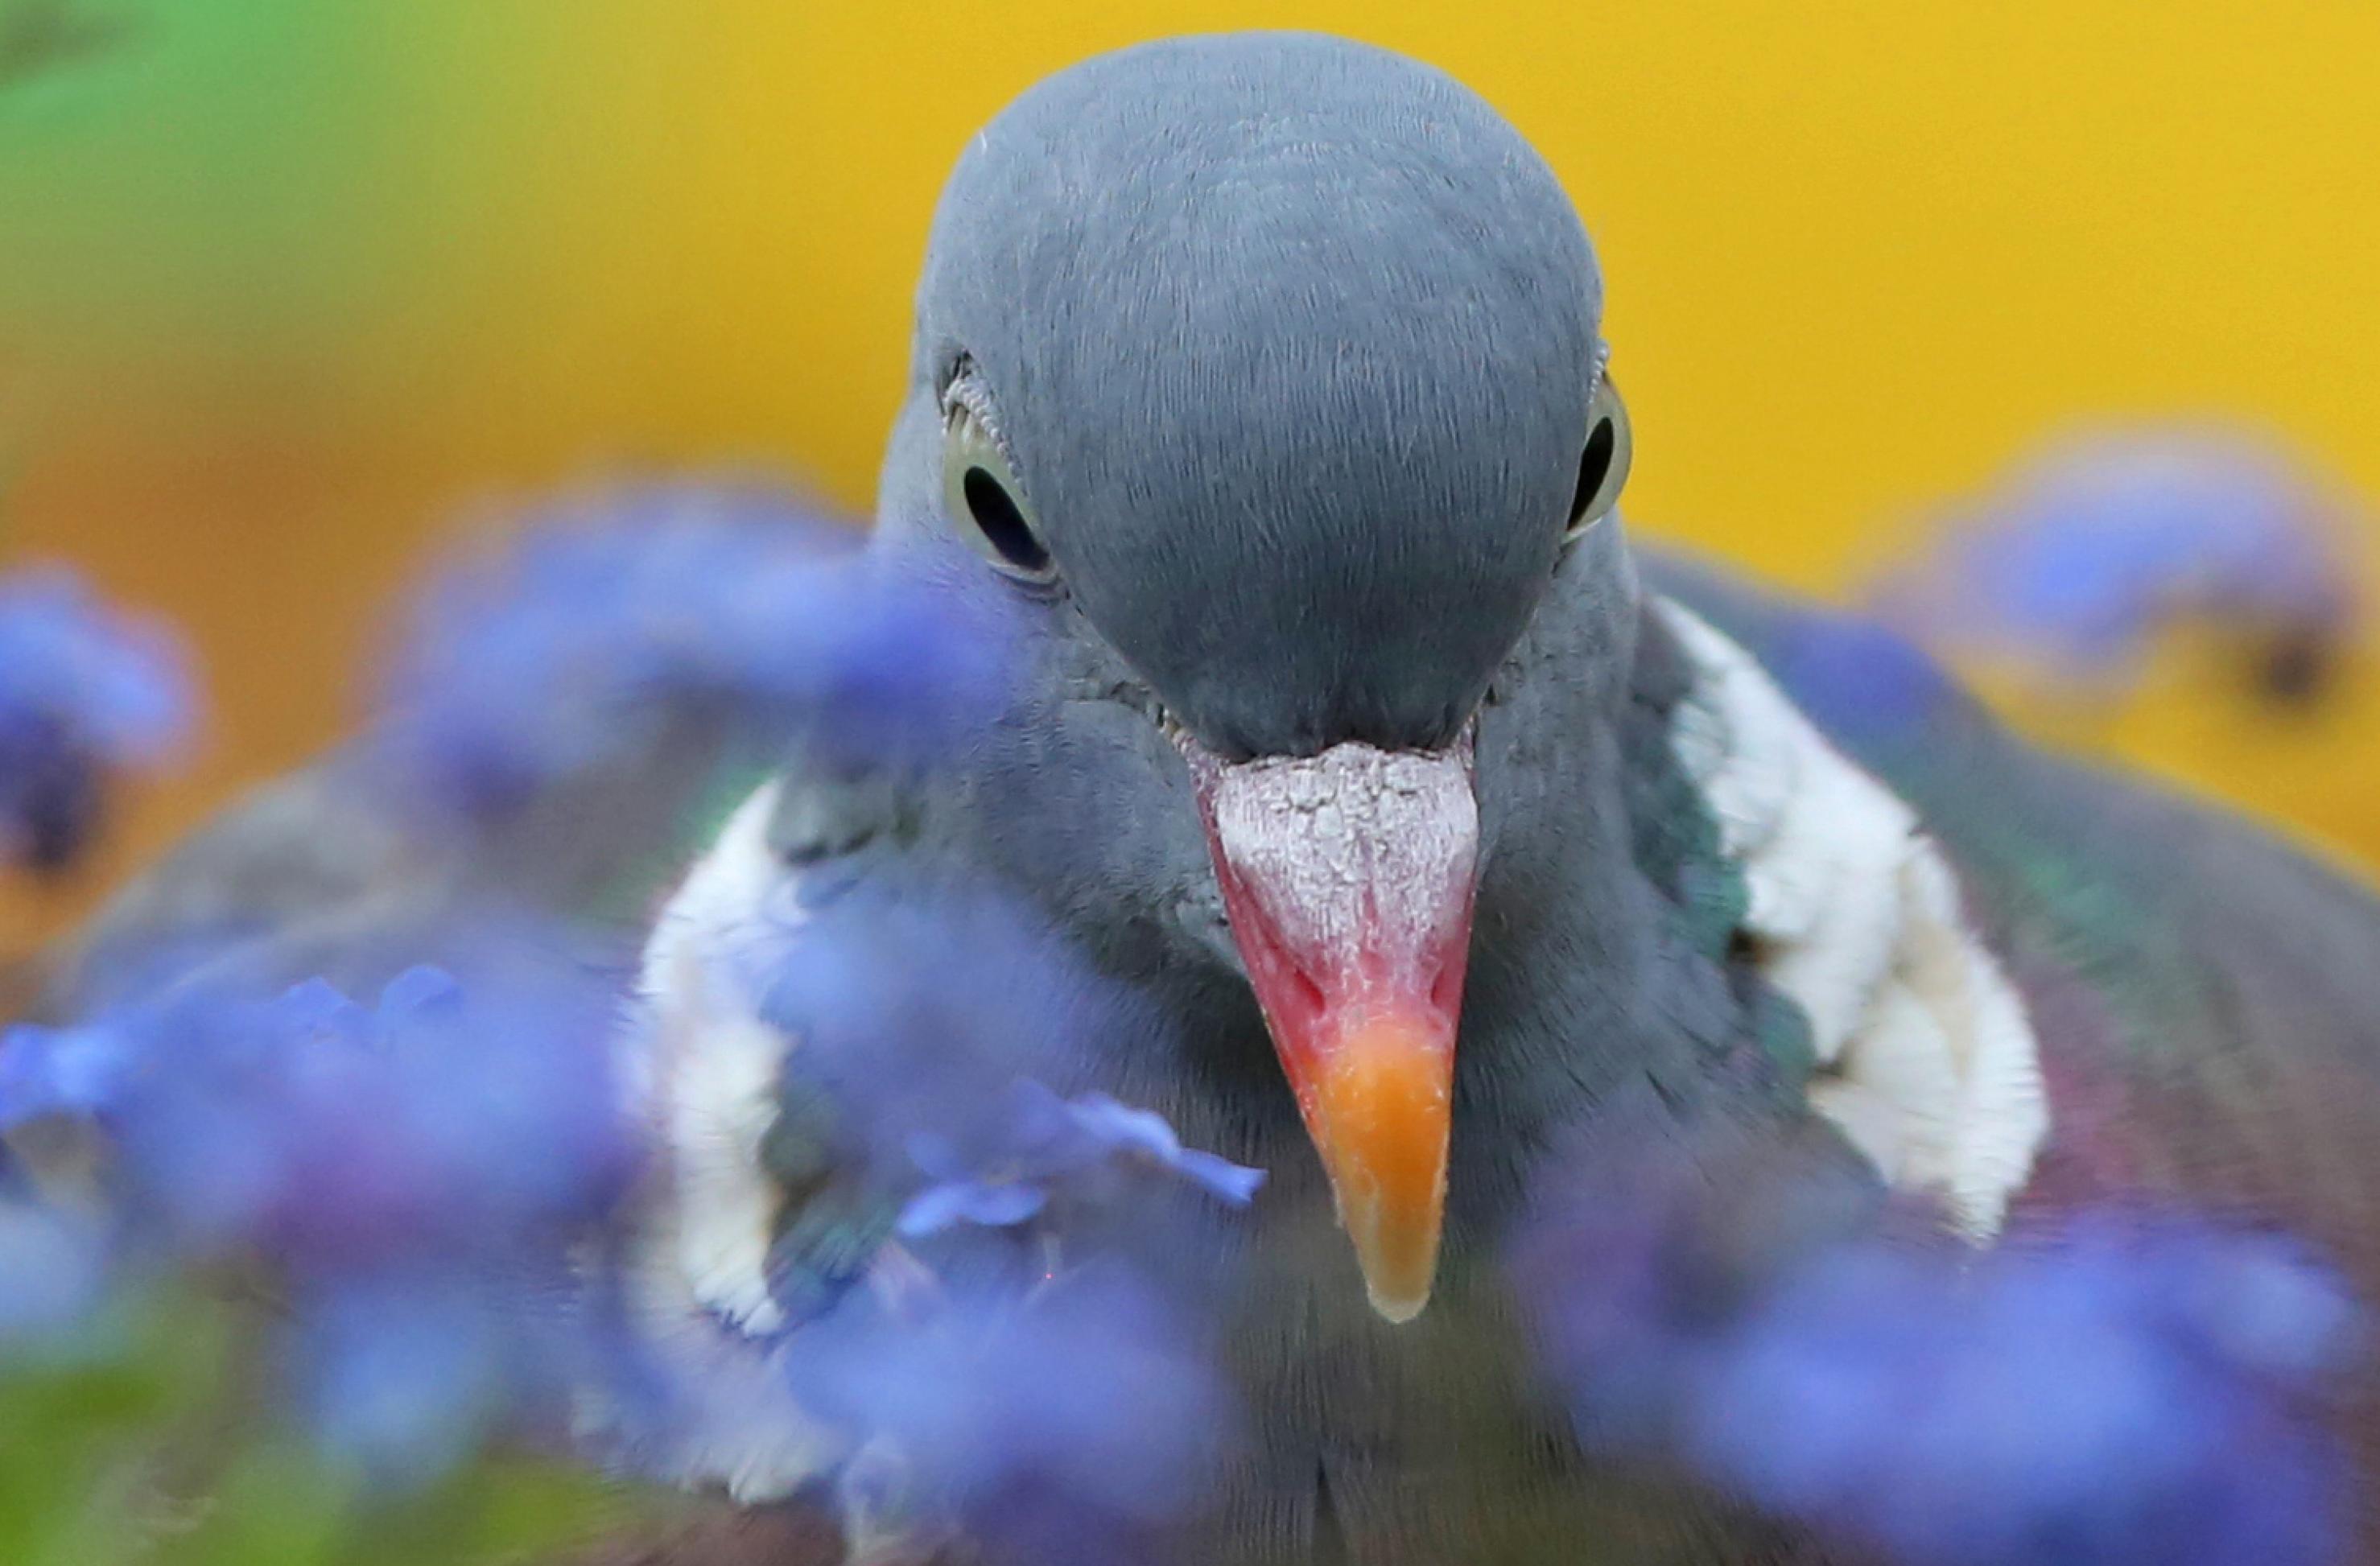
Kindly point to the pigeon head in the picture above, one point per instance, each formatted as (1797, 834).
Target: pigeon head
(1270, 364)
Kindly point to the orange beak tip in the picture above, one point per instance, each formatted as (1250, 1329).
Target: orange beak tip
(1399, 1309)
(1380, 1115)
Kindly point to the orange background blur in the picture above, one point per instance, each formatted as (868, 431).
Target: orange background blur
(290, 290)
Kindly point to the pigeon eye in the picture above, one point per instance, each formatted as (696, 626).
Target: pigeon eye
(1603, 466)
(984, 500)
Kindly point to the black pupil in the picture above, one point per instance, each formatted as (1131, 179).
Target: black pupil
(1594, 467)
(989, 502)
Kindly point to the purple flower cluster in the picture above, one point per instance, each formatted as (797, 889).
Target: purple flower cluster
(2082, 557)
(420, 1174)
(1055, 1425)
(413, 1174)
(422, 1178)
(921, 1007)
(1039, 1378)
(328, 1133)
(594, 627)
(2108, 1394)
(2106, 1391)
(83, 690)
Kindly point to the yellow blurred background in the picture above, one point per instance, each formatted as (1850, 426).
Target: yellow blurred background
(291, 289)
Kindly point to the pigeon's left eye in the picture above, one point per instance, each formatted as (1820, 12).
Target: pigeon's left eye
(986, 504)
(1603, 466)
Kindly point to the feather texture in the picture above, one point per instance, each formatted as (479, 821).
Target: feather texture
(1927, 1058)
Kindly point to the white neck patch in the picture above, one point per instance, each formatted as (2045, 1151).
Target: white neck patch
(702, 1069)
(1928, 1060)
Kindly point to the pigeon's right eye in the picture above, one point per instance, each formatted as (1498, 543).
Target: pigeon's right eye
(984, 502)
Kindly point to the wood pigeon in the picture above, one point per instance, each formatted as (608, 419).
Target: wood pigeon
(1262, 375)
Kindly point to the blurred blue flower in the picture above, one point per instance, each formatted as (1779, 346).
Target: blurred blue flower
(1056, 1147)
(2110, 1389)
(83, 689)
(1053, 1424)
(920, 1009)
(47, 1072)
(1856, 679)
(595, 625)
(955, 1197)
(2084, 556)
(317, 1130)
(2064, 1402)
(415, 1172)
(945, 1091)
(402, 1371)
(428, 1175)
(52, 1267)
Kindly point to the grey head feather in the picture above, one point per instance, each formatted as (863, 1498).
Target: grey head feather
(1292, 343)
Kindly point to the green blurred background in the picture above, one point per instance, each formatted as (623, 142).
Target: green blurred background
(292, 289)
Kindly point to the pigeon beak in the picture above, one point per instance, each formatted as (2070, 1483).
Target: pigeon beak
(1348, 876)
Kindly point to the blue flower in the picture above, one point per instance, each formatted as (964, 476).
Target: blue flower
(1857, 679)
(956, 1197)
(52, 1267)
(2057, 1403)
(47, 1073)
(2110, 1389)
(739, 608)
(316, 1130)
(2082, 557)
(942, 1027)
(921, 1008)
(418, 1172)
(402, 1372)
(1055, 1425)
(83, 690)
(1055, 1148)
